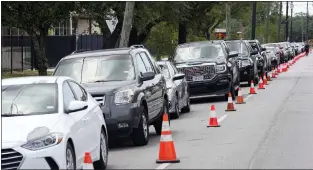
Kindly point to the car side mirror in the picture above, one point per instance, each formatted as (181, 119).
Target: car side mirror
(263, 49)
(75, 106)
(147, 76)
(233, 54)
(178, 76)
(280, 47)
(254, 52)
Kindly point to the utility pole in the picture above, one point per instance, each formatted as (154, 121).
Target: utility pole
(253, 20)
(127, 23)
(279, 21)
(267, 19)
(228, 19)
(307, 20)
(302, 33)
(287, 22)
(291, 6)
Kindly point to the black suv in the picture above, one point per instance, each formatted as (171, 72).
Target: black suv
(128, 85)
(209, 67)
(246, 60)
(263, 60)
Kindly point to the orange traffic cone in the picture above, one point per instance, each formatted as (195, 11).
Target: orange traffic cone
(167, 153)
(268, 77)
(264, 80)
(213, 122)
(240, 97)
(87, 161)
(278, 69)
(274, 73)
(230, 104)
(261, 86)
(252, 90)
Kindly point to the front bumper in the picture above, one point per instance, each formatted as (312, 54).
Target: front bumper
(219, 85)
(48, 158)
(121, 119)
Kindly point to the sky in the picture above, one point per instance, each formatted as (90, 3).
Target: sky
(298, 7)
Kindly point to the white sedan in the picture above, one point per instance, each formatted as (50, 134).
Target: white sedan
(49, 123)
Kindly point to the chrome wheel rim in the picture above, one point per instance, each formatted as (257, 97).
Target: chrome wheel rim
(69, 159)
(145, 126)
(103, 146)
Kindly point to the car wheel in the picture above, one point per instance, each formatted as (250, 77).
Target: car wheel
(159, 121)
(177, 110)
(140, 135)
(186, 109)
(70, 157)
(103, 161)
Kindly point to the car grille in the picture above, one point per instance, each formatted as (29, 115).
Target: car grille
(207, 71)
(10, 159)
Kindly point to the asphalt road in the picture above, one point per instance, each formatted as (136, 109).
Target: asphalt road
(274, 129)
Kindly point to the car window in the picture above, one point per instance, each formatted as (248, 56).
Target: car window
(28, 99)
(141, 65)
(70, 68)
(147, 62)
(175, 69)
(68, 95)
(78, 91)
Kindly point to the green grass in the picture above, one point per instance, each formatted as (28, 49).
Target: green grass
(7, 74)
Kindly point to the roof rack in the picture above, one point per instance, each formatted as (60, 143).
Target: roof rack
(137, 46)
(81, 50)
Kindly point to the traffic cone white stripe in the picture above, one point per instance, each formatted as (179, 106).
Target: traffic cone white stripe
(213, 114)
(252, 85)
(166, 126)
(230, 100)
(166, 138)
(239, 92)
(87, 166)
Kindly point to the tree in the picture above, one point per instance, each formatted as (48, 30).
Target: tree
(36, 18)
(127, 23)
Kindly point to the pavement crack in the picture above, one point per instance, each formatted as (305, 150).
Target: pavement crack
(272, 124)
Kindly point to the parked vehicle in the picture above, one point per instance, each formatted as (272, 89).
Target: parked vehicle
(279, 50)
(209, 66)
(177, 89)
(274, 56)
(49, 123)
(288, 51)
(262, 57)
(127, 83)
(247, 60)
(295, 47)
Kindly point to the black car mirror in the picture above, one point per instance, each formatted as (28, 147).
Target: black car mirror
(178, 76)
(147, 76)
(263, 49)
(233, 54)
(254, 52)
(281, 47)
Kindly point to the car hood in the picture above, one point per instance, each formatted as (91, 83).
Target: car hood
(15, 130)
(201, 61)
(107, 88)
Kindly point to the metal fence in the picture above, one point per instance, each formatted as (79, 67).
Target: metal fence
(17, 52)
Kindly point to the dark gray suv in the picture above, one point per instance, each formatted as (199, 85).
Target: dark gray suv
(128, 85)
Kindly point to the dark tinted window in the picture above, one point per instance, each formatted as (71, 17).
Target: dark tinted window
(30, 99)
(165, 71)
(147, 62)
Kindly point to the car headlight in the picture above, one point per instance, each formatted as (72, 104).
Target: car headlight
(44, 142)
(220, 68)
(123, 97)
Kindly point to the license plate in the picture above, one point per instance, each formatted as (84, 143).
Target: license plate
(197, 78)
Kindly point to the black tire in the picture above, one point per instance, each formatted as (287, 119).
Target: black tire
(186, 109)
(177, 110)
(158, 123)
(70, 148)
(232, 91)
(140, 135)
(102, 163)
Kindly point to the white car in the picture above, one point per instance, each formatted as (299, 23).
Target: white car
(49, 123)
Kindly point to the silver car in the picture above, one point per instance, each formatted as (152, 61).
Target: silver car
(177, 89)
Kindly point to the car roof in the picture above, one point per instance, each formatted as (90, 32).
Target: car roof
(200, 43)
(96, 53)
(33, 80)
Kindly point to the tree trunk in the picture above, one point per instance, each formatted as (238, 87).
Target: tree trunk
(182, 33)
(40, 52)
(127, 23)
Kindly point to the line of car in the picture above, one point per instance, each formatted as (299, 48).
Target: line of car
(99, 97)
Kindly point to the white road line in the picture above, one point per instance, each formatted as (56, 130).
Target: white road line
(221, 118)
(163, 166)
(248, 97)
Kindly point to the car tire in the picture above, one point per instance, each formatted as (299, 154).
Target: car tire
(103, 161)
(70, 157)
(177, 110)
(140, 135)
(158, 123)
(232, 91)
(186, 109)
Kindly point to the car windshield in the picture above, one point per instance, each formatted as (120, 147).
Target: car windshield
(239, 47)
(98, 69)
(165, 71)
(200, 51)
(28, 99)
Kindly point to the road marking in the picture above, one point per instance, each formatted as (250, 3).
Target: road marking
(248, 97)
(221, 118)
(163, 166)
